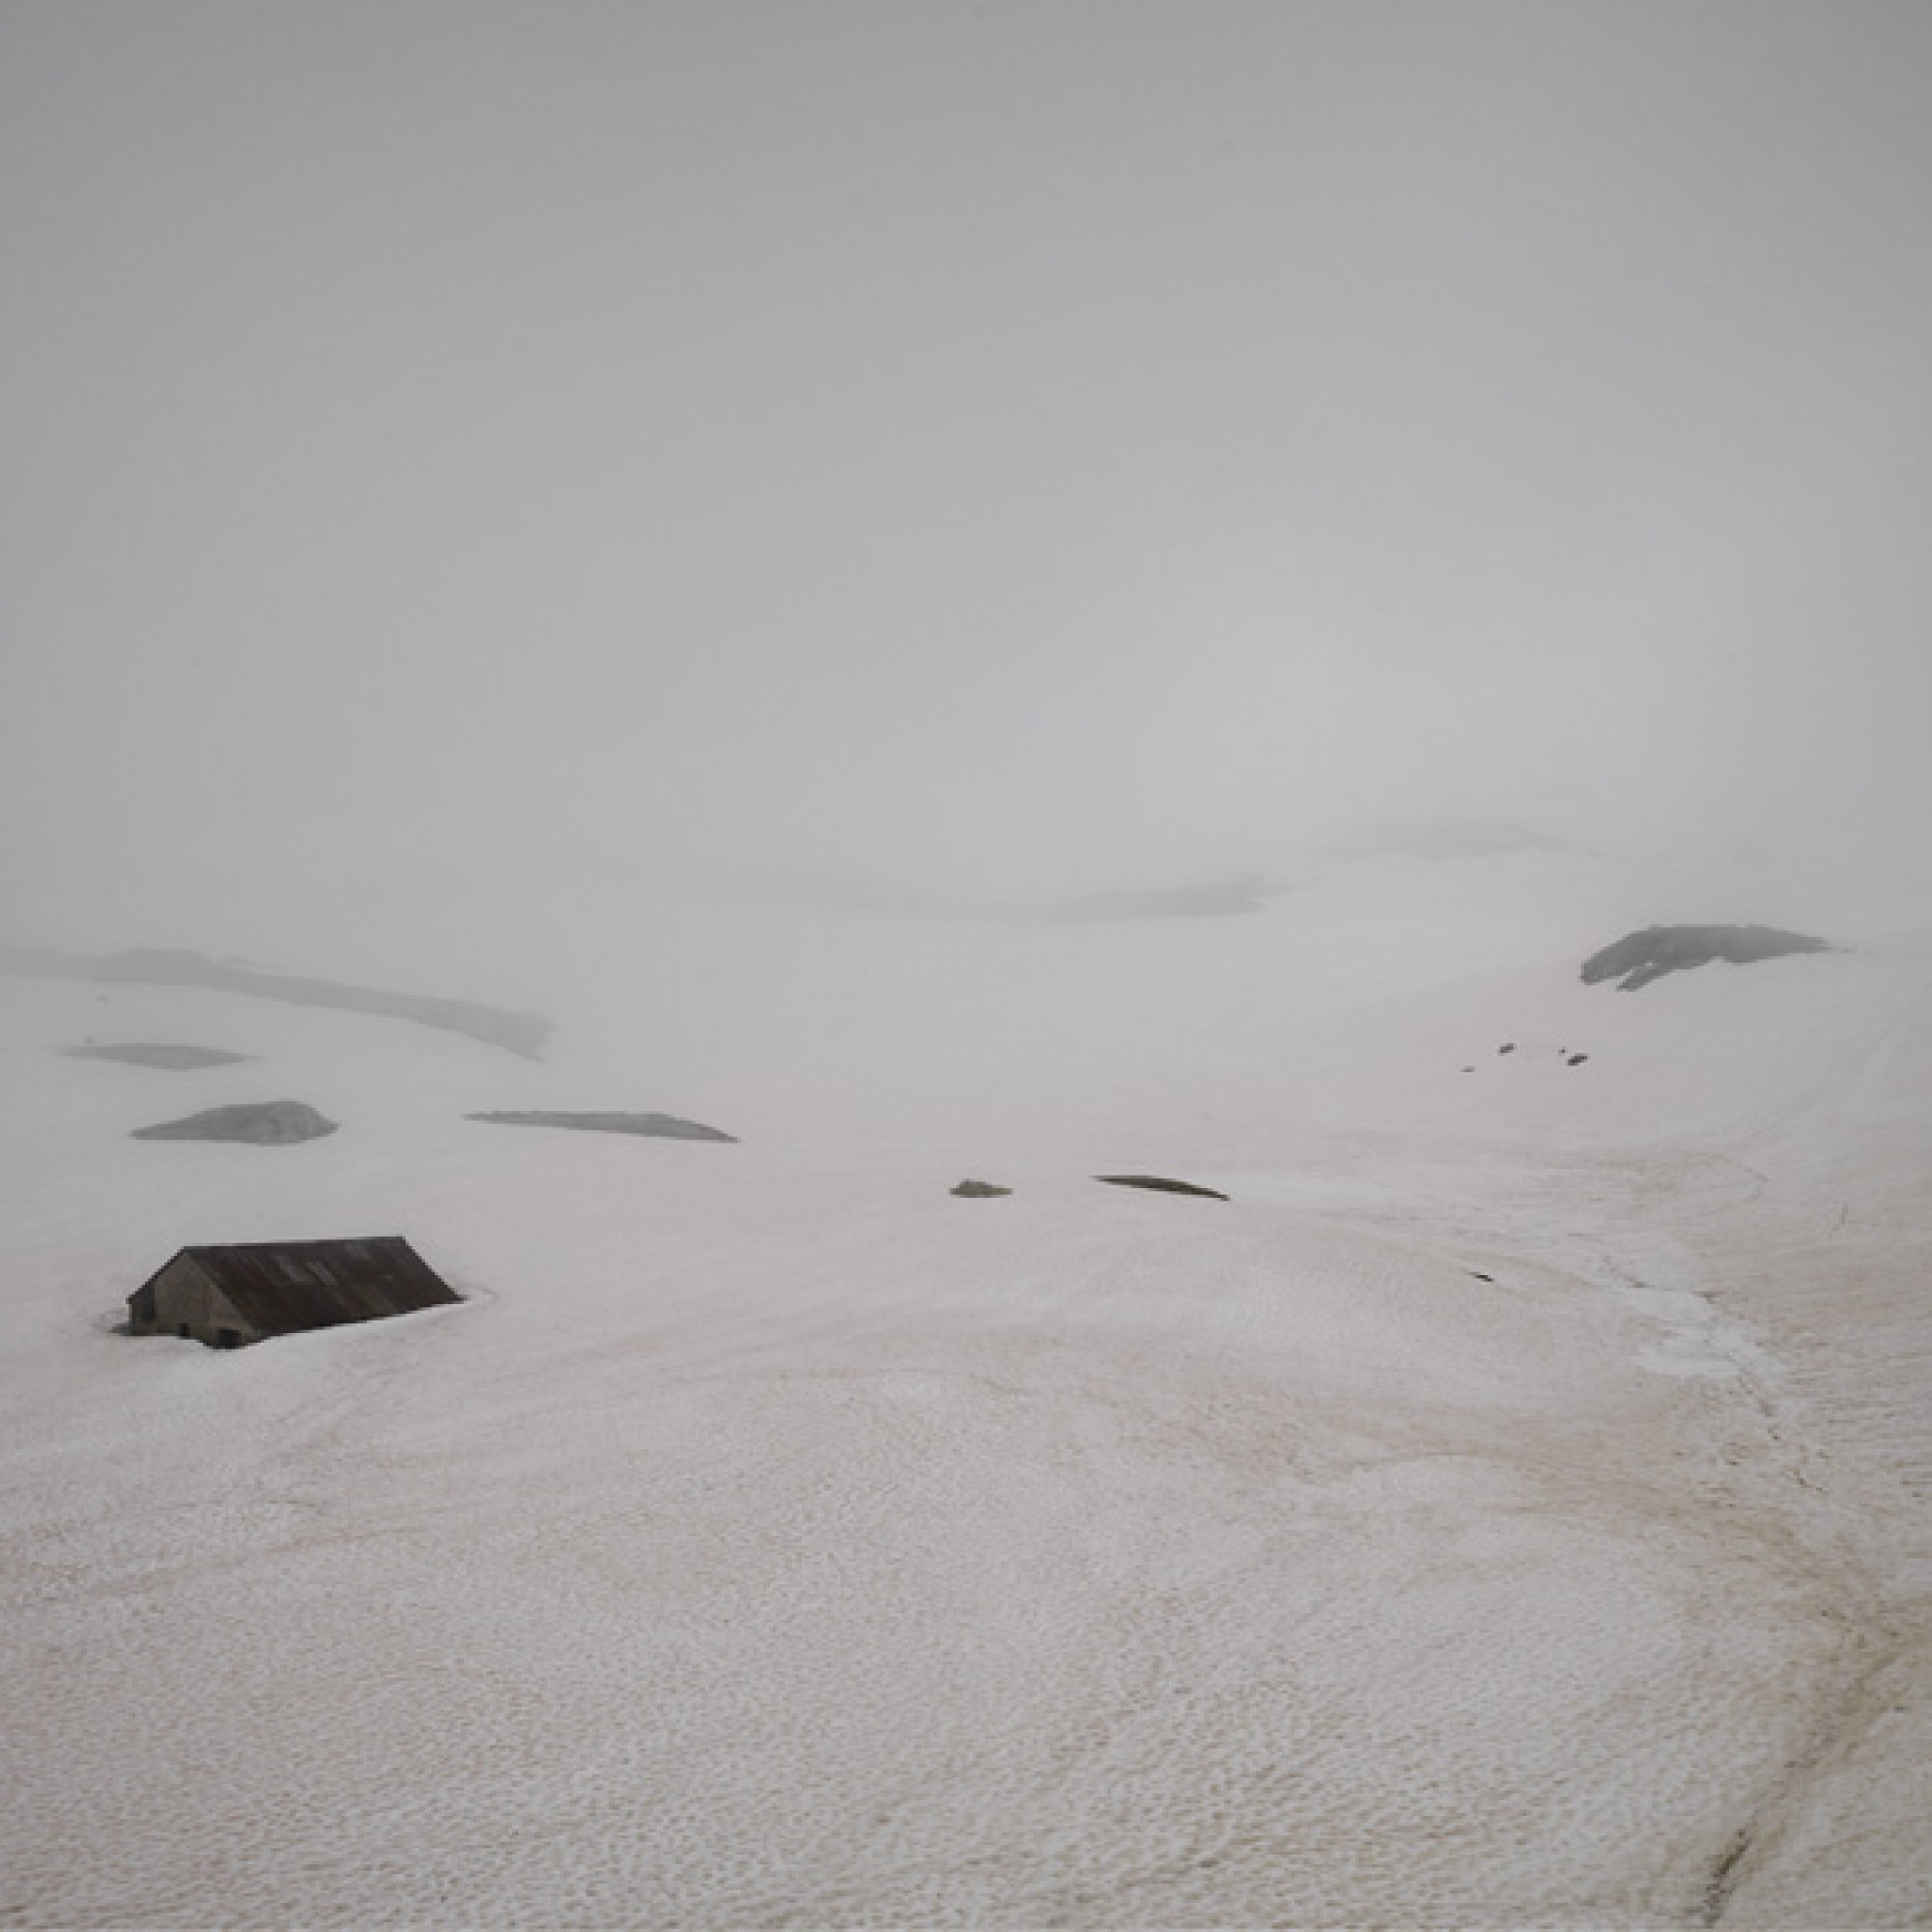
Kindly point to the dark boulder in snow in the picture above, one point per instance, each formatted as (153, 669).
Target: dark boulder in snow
(979, 1190)
(254, 1124)
(1160, 1184)
(651, 1126)
(1639, 957)
(158, 1053)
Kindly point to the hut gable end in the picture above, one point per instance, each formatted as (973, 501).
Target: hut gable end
(226, 1296)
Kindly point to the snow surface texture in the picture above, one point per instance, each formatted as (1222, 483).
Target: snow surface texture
(1510, 1507)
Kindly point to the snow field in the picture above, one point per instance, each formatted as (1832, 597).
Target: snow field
(775, 1539)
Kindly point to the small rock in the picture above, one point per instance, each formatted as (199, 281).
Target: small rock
(1577, 1059)
(979, 1190)
(1507, 1046)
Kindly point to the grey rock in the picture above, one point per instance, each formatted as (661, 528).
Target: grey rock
(979, 1190)
(649, 1126)
(253, 1124)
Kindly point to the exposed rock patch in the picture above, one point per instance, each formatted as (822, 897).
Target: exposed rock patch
(1639, 957)
(651, 1126)
(1160, 1184)
(160, 1054)
(254, 1124)
(979, 1190)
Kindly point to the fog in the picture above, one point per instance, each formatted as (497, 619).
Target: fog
(982, 451)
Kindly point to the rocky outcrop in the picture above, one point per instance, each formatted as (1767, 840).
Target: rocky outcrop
(651, 1126)
(979, 1190)
(1158, 1183)
(1639, 957)
(253, 1124)
(162, 1054)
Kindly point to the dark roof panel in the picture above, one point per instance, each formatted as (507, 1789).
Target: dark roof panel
(281, 1286)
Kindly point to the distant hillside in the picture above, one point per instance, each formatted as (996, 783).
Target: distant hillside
(523, 1034)
(1215, 898)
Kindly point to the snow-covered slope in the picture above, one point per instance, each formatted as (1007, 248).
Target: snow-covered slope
(1512, 1506)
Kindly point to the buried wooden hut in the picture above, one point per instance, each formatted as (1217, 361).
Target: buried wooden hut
(229, 1297)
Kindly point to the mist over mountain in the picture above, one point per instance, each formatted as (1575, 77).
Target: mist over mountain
(999, 455)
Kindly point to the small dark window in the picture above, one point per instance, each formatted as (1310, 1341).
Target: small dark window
(227, 1338)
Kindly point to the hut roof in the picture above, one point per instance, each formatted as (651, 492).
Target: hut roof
(280, 1286)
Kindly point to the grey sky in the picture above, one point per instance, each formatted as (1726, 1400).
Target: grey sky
(1017, 445)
